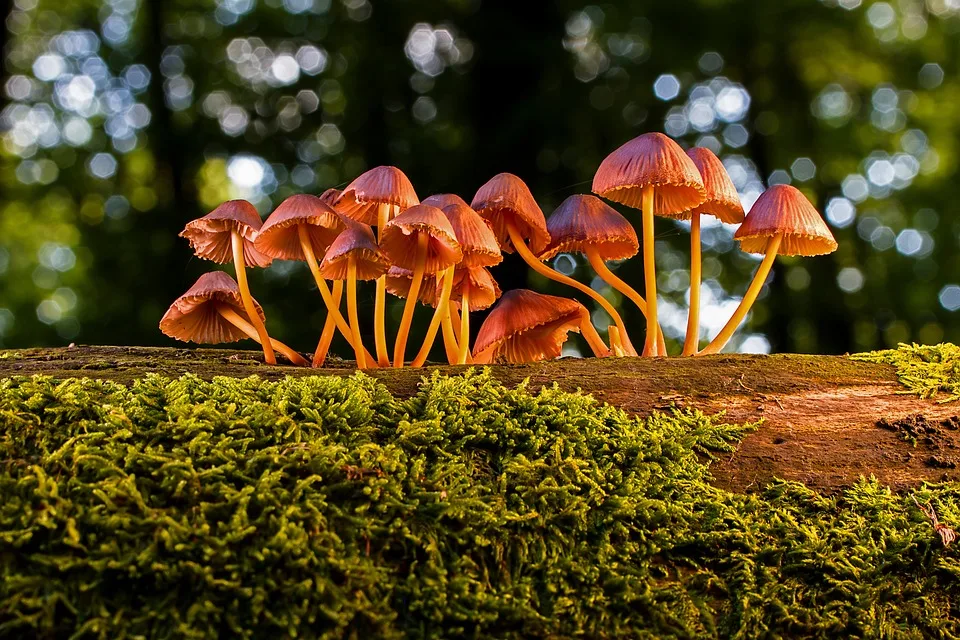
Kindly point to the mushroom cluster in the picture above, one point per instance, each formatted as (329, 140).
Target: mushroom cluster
(439, 252)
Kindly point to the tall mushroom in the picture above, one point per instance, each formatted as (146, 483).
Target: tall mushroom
(585, 224)
(509, 208)
(226, 234)
(301, 228)
(526, 326)
(474, 289)
(353, 256)
(421, 239)
(653, 174)
(212, 311)
(480, 249)
(374, 198)
(329, 197)
(723, 202)
(782, 221)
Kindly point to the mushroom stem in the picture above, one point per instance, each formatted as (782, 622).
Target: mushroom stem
(240, 266)
(692, 341)
(419, 265)
(455, 319)
(329, 327)
(239, 322)
(546, 271)
(464, 323)
(450, 344)
(616, 346)
(352, 310)
(593, 338)
(649, 272)
(614, 281)
(333, 308)
(380, 303)
(438, 315)
(718, 343)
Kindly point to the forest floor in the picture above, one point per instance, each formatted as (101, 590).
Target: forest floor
(827, 420)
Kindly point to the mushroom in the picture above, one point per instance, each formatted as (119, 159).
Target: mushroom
(421, 239)
(353, 256)
(374, 198)
(526, 326)
(398, 284)
(585, 224)
(480, 249)
(509, 208)
(723, 202)
(444, 200)
(653, 174)
(227, 233)
(301, 228)
(213, 311)
(781, 221)
(474, 289)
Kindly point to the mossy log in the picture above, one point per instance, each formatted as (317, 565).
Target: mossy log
(824, 417)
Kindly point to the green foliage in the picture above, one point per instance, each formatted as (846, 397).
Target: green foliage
(924, 370)
(326, 507)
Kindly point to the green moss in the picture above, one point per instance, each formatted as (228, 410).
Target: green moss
(9, 355)
(328, 507)
(925, 370)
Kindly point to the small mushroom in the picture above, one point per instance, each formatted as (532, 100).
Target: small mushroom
(509, 208)
(301, 228)
(526, 326)
(374, 198)
(213, 311)
(653, 174)
(781, 221)
(353, 256)
(228, 233)
(474, 289)
(444, 200)
(723, 202)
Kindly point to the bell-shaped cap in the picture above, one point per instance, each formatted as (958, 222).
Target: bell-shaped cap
(527, 327)
(654, 160)
(722, 201)
(356, 241)
(505, 197)
(784, 209)
(398, 239)
(193, 316)
(582, 222)
(479, 245)
(444, 200)
(330, 196)
(400, 279)
(362, 198)
(279, 237)
(484, 290)
(210, 237)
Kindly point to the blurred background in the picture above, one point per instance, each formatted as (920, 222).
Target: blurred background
(121, 120)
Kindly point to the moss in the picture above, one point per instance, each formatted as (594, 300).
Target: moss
(10, 355)
(925, 370)
(329, 507)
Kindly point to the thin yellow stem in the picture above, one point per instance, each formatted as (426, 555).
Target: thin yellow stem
(352, 310)
(649, 272)
(464, 323)
(692, 341)
(455, 319)
(384, 212)
(614, 281)
(439, 314)
(329, 328)
(546, 271)
(593, 338)
(616, 345)
(239, 322)
(400, 346)
(236, 242)
(718, 343)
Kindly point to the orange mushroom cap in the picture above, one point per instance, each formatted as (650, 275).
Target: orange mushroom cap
(211, 236)
(380, 185)
(279, 237)
(506, 197)
(398, 239)
(400, 279)
(444, 200)
(330, 196)
(784, 209)
(581, 221)
(484, 290)
(722, 201)
(654, 160)
(479, 245)
(355, 240)
(526, 326)
(193, 316)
